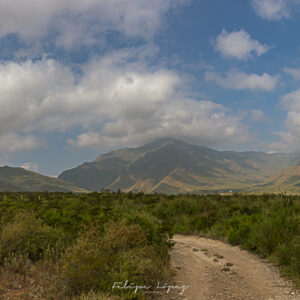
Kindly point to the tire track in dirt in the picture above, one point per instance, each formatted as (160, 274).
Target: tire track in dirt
(217, 271)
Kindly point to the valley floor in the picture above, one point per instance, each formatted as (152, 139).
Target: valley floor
(215, 270)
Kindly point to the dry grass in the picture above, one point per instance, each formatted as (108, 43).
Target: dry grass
(20, 279)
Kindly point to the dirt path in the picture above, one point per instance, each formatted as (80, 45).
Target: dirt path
(214, 270)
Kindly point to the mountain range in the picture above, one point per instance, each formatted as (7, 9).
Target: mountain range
(169, 166)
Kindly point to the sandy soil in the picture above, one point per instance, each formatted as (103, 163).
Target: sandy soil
(215, 270)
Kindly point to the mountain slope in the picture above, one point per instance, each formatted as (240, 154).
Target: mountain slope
(8, 187)
(170, 166)
(285, 180)
(19, 179)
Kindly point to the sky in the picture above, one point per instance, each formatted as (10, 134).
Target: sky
(80, 78)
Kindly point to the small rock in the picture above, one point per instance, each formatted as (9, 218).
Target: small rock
(195, 249)
(225, 269)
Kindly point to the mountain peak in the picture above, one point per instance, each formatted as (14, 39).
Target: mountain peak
(166, 140)
(161, 142)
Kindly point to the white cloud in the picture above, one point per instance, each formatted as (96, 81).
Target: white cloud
(32, 166)
(118, 99)
(292, 100)
(257, 115)
(290, 138)
(295, 73)
(11, 142)
(274, 10)
(200, 122)
(238, 44)
(82, 21)
(239, 81)
(27, 90)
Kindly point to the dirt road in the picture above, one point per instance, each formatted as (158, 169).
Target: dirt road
(214, 270)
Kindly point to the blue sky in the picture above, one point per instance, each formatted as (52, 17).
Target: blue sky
(79, 79)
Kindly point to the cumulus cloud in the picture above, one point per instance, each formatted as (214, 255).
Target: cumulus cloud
(27, 91)
(291, 100)
(82, 21)
(290, 138)
(274, 10)
(200, 122)
(117, 100)
(238, 44)
(239, 81)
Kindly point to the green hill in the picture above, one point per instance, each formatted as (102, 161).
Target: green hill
(19, 179)
(171, 166)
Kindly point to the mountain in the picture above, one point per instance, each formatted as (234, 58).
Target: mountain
(285, 180)
(19, 179)
(6, 186)
(171, 166)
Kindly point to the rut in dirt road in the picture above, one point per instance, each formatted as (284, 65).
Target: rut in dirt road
(215, 270)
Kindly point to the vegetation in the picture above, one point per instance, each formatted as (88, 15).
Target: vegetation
(68, 246)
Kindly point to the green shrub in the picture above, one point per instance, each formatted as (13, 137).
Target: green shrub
(156, 235)
(123, 253)
(238, 229)
(271, 231)
(218, 230)
(288, 255)
(28, 236)
(199, 223)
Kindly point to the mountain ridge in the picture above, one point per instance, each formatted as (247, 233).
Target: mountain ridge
(17, 179)
(168, 165)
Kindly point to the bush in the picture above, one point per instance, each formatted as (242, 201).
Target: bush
(156, 235)
(288, 255)
(238, 229)
(123, 253)
(273, 230)
(27, 235)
